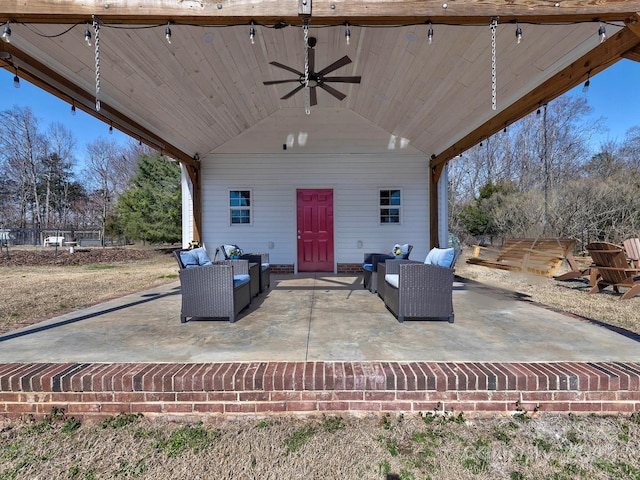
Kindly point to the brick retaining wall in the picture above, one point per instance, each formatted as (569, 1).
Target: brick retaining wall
(196, 391)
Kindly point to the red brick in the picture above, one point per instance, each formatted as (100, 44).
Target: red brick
(629, 396)
(268, 378)
(585, 406)
(618, 407)
(128, 397)
(145, 408)
(413, 396)
(349, 381)
(177, 407)
(316, 396)
(66, 397)
(285, 396)
(239, 407)
(359, 379)
(389, 375)
(410, 377)
(425, 406)
(302, 406)
(429, 375)
(271, 407)
(10, 397)
(253, 396)
(375, 378)
(349, 395)
(116, 408)
(208, 407)
(191, 396)
(571, 396)
(160, 397)
(333, 406)
(555, 406)
(396, 406)
(238, 378)
(20, 408)
(489, 406)
(538, 396)
(383, 396)
(83, 407)
(365, 406)
(601, 396)
(222, 397)
(218, 377)
(442, 396)
(308, 375)
(339, 376)
(210, 377)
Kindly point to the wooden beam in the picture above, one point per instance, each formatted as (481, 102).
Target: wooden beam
(194, 175)
(45, 78)
(325, 12)
(603, 56)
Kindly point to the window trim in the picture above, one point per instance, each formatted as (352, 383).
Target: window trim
(231, 208)
(380, 206)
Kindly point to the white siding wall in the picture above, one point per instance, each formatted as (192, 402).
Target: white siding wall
(355, 163)
(355, 179)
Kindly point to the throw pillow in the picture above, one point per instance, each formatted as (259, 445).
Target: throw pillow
(400, 251)
(202, 256)
(189, 259)
(442, 257)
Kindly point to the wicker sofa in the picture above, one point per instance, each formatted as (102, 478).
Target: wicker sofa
(421, 291)
(219, 290)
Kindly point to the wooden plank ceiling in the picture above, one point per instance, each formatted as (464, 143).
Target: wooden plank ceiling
(206, 87)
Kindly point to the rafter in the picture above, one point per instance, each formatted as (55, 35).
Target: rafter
(324, 12)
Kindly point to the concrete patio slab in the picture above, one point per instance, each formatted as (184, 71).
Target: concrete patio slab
(318, 317)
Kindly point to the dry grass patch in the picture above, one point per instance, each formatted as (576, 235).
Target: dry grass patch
(393, 447)
(568, 296)
(37, 285)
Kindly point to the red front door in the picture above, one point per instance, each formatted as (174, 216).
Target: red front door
(315, 230)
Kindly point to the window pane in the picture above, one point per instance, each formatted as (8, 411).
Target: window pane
(239, 216)
(389, 215)
(239, 198)
(395, 197)
(387, 199)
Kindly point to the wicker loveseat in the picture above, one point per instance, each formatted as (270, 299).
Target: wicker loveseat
(219, 290)
(412, 289)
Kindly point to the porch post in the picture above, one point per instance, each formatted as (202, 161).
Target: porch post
(194, 175)
(435, 172)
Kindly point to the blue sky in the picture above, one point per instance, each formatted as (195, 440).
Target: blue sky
(611, 95)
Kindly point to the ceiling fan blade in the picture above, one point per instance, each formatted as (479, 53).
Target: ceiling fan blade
(335, 65)
(313, 96)
(292, 92)
(280, 65)
(343, 79)
(275, 82)
(332, 91)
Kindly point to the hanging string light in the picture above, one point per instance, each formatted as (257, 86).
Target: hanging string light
(110, 128)
(585, 87)
(96, 29)
(16, 80)
(347, 34)
(518, 33)
(430, 34)
(87, 36)
(6, 33)
(494, 26)
(73, 108)
(252, 33)
(167, 33)
(602, 32)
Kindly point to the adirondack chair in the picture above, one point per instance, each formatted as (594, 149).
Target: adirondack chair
(613, 269)
(632, 249)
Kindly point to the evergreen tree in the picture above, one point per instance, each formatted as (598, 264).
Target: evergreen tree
(151, 210)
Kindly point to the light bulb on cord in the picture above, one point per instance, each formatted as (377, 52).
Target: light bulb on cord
(167, 33)
(87, 36)
(252, 33)
(16, 80)
(6, 33)
(585, 87)
(430, 34)
(347, 34)
(518, 33)
(73, 109)
(602, 31)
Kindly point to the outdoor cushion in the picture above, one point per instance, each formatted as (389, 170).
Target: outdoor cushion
(368, 267)
(264, 266)
(400, 251)
(442, 257)
(240, 280)
(194, 258)
(392, 279)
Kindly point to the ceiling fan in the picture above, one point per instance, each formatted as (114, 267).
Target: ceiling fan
(316, 79)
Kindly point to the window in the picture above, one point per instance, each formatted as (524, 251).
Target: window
(240, 207)
(390, 206)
